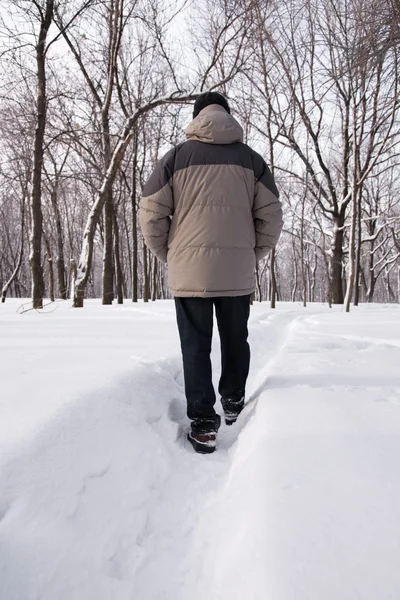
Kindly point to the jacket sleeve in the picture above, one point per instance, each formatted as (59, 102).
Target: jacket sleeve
(267, 212)
(157, 206)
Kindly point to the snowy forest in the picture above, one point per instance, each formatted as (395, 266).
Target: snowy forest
(148, 450)
(93, 93)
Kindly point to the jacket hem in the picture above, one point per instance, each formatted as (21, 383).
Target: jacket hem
(207, 294)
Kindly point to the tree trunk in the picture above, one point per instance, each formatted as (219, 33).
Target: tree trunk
(118, 267)
(273, 279)
(154, 293)
(163, 293)
(303, 273)
(363, 281)
(258, 282)
(60, 263)
(336, 262)
(108, 264)
(371, 272)
(37, 162)
(313, 277)
(312, 286)
(146, 291)
(358, 254)
(371, 265)
(135, 253)
(128, 256)
(75, 295)
(134, 222)
(20, 256)
(352, 258)
(294, 288)
(50, 265)
(352, 248)
(108, 212)
(371, 289)
(392, 296)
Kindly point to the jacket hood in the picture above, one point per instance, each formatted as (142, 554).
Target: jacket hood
(214, 126)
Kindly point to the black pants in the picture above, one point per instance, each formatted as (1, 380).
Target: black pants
(195, 324)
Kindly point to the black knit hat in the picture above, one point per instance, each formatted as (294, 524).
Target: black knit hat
(209, 98)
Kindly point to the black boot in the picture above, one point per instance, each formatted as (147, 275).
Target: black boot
(232, 408)
(203, 443)
(203, 435)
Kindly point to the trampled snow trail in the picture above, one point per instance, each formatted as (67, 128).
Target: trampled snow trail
(196, 483)
(101, 498)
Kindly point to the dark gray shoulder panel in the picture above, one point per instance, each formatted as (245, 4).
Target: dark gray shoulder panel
(195, 153)
(162, 172)
(263, 174)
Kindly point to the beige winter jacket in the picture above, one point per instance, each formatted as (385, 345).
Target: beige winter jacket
(210, 209)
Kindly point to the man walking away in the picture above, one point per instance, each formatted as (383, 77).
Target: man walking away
(211, 210)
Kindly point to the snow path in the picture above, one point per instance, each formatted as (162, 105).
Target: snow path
(101, 498)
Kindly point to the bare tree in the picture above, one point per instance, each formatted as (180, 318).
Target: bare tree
(40, 17)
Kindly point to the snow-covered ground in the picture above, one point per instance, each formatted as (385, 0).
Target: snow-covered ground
(102, 499)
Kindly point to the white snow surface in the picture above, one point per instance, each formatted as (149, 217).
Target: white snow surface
(102, 499)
